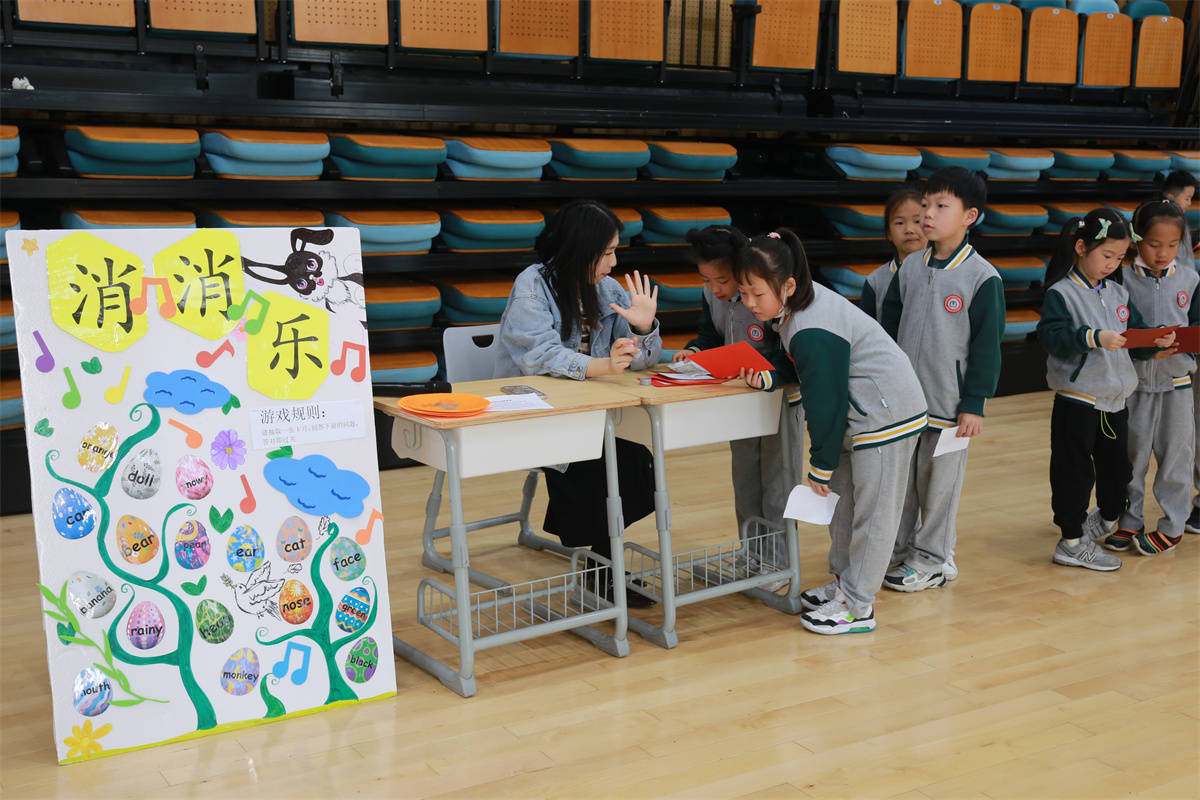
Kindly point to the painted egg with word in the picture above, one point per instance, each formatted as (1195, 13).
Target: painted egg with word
(193, 478)
(73, 514)
(213, 621)
(354, 609)
(362, 660)
(137, 543)
(245, 551)
(294, 540)
(192, 547)
(347, 559)
(93, 692)
(240, 672)
(295, 602)
(98, 447)
(145, 625)
(142, 474)
(90, 595)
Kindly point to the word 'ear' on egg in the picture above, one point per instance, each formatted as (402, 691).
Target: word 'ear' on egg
(245, 551)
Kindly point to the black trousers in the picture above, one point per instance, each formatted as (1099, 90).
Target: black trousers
(577, 512)
(1087, 447)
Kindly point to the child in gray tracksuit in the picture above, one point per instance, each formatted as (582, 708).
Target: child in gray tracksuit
(945, 307)
(902, 227)
(1162, 410)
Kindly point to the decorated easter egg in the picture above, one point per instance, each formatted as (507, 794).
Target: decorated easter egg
(362, 660)
(145, 625)
(346, 558)
(354, 609)
(137, 543)
(98, 447)
(192, 547)
(73, 514)
(93, 692)
(193, 478)
(294, 540)
(295, 602)
(240, 672)
(142, 474)
(245, 551)
(91, 595)
(213, 621)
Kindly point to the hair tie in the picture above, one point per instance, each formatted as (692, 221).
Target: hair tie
(1103, 232)
(1079, 224)
(774, 235)
(1133, 235)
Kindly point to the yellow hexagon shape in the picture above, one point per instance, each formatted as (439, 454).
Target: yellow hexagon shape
(92, 283)
(287, 353)
(204, 273)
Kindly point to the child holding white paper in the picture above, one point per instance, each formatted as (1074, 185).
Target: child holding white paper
(864, 409)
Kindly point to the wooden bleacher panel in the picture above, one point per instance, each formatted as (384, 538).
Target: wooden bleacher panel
(866, 36)
(361, 22)
(786, 34)
(626, 30)
(444, 25)
(690, 33)
(1107, 50)
(103, 13)
(538, 27)
(1159, 53)
(1052, 54)
(994, 43)
(209, 16)
(933, 39)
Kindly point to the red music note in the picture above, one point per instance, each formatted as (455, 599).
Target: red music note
(364, 535)
(206, 359)
(45, 362)
(194, 439)
(248, 503)
(238, 310)
(166, 308)
(339, 364)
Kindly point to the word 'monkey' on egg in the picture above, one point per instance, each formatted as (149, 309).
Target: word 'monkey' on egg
(362, 660)
(240, 672)
(90, 595)
(245, 550)
(193, 478)
(192, 547)
(353, 610)
(213, 621)
(142, 474)
(145, 626)
(137, 543)
(294, 540)
(346, 558)
(295, 602)
(98, 447)
(93, 692)
(72, 513)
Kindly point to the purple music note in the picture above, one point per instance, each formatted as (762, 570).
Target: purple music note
(45, 362)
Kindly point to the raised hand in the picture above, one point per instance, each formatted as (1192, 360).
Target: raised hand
(643, 303)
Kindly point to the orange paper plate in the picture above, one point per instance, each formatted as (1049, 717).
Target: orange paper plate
(444, 405)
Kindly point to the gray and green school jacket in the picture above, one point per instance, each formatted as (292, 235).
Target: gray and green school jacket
(1167, 300)
(1077, 367)
(875, 288)
(948, 317)
(725, 322)
(858, 388)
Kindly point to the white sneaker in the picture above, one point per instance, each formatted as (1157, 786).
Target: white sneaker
(950, 569)
(812, 599)
(1096, 527)
(836, 617)
(910, 579)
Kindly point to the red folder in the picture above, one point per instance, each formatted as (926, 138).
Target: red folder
(1188, 339)
(1144, 337)
(725, 362)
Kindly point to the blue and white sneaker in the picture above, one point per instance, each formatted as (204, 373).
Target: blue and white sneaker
(836, 617)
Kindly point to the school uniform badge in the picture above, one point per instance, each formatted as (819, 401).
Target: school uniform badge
(1182, 299)
(755, 332)
(1122, 313)
(954, 303)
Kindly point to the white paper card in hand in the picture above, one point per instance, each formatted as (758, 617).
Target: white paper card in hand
(805, 505)
(516, 402)
(950, 441)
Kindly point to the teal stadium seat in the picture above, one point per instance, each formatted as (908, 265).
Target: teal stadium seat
(118, 152)
(96, 219)
(386, 157)
(389, 232)
(495, 158)
(264, 154)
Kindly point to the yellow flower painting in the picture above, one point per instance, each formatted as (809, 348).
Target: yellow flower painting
(84, 743)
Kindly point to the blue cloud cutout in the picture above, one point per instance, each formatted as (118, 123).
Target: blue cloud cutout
(316, 486)
(184, 390)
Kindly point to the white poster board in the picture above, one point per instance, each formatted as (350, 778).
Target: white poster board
(205, 485)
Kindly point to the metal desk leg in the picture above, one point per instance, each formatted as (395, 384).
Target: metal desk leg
(430, 557)
(664, 635)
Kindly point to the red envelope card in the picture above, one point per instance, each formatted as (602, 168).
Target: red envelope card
(1144, 337)
(725, 362)
(1188, 339)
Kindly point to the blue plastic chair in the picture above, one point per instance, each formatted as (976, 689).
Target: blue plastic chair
(1139, 9)
(1082, 7)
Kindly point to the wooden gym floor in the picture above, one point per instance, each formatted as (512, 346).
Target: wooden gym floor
(1020, 680)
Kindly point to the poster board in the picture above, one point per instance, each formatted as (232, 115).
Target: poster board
(205, 485)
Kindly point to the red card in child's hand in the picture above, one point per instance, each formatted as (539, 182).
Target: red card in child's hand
(1145, 337)
(725, 362)
(1188, 339)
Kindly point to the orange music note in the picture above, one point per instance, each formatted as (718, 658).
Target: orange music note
(206, 359)
(113, 394)
(194, 439)
(166, 308)
(339, 364)
(364, 536)
(238, 310)
(248, 503)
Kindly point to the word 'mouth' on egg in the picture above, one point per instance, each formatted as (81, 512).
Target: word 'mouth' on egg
(346, 558)
(294, 540)
(193, 478)
(245, 551)
(145, 626)
(73, 515)
(353, 610)
(240, 673)
(295, 602)
(90, 595)
(137, 543)
(214, 623)
(93, 692)
(192, 547)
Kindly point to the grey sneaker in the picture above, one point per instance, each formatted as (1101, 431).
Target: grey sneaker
(812, 599)
(1096, 527)
(905, 578)
(950, 569)
(1086, 554)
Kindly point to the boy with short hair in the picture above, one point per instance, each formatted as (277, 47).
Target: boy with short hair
(1181, 187)
(945, 308)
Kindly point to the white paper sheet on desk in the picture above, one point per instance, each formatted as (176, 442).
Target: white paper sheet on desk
(950, 442)
(805, 505)
(516, 402)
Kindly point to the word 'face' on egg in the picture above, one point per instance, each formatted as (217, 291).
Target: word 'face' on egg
(73, 515)
(245, 550)
(192, 547)
(142, 474)
(294, 540)
(346, 558)
(145, 626)
(213, 621)
(90, 595)
(137, 543)
(240, 673)
(362, 660)
(98, 447)
(295, 602)
(193, 478)
(93, 692)
(354, 609)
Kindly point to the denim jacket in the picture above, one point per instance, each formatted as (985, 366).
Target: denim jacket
(530, 331)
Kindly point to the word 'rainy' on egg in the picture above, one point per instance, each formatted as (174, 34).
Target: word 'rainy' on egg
(245, 551)
(98, 447)
(145, 626)
(240, 672)
(90, 595)
(362, 660)
(73, 515)
(295, 602)
(346, 558)
(192, 546)
(353, 610)
(137, 543)
(142, 474)
(193, 478)
(213, 621)
(294, 540)
(92, 692)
